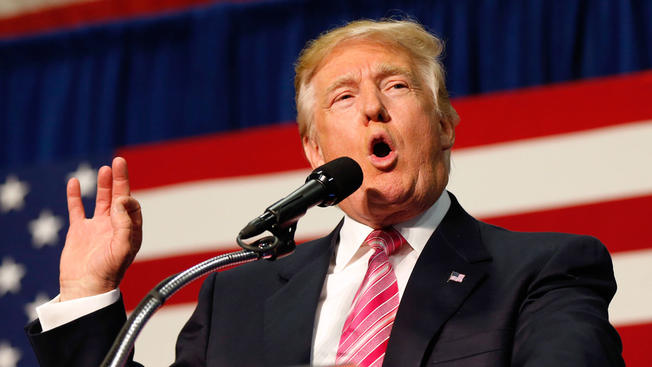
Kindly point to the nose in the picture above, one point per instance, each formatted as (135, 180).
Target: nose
(374, 108)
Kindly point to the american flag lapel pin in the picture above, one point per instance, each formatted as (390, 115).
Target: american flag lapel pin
(456, 277)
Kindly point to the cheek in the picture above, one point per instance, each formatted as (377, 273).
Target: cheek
(338, 133)
(423, 133)
(333, 143)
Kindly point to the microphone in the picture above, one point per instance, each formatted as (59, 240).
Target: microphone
(327, 185)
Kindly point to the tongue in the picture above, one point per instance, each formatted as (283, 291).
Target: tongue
(381, 149)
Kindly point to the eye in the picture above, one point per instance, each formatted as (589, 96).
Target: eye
(397, 86)
(343, 97)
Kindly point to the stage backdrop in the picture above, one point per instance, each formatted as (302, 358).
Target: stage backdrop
(197, 95)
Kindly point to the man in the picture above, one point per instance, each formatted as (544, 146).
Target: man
(406, 279)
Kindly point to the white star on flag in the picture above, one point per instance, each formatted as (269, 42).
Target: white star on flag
(9, 356)
(87, 179)
(10, 275)
(30, 307)
(45, 229)
(12, 194)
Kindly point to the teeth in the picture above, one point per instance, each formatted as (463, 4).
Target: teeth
(381, 149)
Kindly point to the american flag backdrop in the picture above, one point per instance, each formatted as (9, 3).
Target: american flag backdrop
(572, 156)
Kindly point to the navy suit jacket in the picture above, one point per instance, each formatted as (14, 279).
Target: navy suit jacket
(527, 299)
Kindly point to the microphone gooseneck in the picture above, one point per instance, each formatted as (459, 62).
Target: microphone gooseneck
(326, 185)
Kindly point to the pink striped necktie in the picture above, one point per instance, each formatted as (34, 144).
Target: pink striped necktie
(367, 328)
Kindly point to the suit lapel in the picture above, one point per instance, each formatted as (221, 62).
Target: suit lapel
(290, 312)
(430, 299)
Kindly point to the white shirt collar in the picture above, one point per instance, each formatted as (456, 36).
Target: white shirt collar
(416, 231)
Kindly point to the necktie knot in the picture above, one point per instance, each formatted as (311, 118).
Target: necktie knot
(387, 240)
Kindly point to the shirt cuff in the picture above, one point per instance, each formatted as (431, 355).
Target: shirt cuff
(55, 313)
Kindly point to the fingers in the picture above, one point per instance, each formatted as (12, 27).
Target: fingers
(104, 188)
(112, 182)
(75, 205)
(120, 178)
(127, 223)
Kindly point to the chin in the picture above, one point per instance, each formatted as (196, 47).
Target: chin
(391, 188)
(387, 197)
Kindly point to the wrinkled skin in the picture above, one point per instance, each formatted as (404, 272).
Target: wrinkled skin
(367, 93)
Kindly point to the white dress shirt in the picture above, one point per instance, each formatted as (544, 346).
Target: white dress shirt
(55, 313)
(349, 265)
(345, 274)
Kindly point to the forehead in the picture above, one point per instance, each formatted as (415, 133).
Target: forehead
(355, 58)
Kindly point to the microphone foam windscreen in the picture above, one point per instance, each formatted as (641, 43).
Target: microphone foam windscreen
(344, 176)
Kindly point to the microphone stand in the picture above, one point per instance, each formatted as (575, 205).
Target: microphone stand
(270, 248)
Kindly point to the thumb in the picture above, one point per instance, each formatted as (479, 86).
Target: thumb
(125, 213)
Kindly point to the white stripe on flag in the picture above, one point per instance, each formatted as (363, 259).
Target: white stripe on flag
(155, 344)
(500, 179)
(200, 215)
(549, 172)
(633, 301)
(16, 8)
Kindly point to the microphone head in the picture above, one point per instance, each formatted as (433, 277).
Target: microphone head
(341, 177)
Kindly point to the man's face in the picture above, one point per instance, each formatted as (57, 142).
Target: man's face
(371, 105)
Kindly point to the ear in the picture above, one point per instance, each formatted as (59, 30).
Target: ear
(446, 133)
(313, 152)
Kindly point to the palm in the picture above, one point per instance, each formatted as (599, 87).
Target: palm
(88, 248)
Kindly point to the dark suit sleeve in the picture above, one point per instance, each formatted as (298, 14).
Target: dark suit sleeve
(83, 342)
(563, 320)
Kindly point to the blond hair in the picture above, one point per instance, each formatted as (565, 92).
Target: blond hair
(424, 49)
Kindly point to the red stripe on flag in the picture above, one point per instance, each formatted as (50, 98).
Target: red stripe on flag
(622, 225)
(488, 119)
(554, 109)
(251, 152)
(636, 344)
(142, 276)
(55, 17)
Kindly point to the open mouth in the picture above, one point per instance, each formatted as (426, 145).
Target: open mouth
(382, 152)
(381, 149)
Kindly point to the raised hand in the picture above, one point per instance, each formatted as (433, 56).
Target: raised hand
(99, 250)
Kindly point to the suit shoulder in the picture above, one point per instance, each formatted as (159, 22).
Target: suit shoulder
(542, 247)
(546, 241)
(546, 258)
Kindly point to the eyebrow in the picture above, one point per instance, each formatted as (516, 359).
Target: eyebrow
(386, 70)
(383, 71)
(345, 79)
